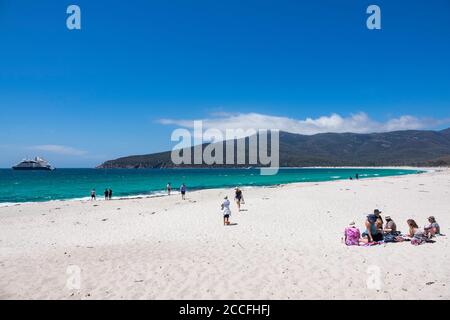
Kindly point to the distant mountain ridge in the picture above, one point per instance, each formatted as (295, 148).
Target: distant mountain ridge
(396, 148)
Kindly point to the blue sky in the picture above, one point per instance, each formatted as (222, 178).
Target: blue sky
(139, 69)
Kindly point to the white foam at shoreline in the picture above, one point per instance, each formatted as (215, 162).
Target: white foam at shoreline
(161, 193)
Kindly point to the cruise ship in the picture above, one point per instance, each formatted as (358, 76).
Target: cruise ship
(36, 164)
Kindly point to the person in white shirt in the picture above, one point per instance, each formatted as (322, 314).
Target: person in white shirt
(226, 211)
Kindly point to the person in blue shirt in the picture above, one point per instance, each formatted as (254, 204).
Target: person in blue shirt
(372, 233)
(183, 191)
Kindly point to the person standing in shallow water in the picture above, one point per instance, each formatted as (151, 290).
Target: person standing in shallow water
(106, 194)
(169, 188)
(110, 194)
(93, 197)
(183, 191)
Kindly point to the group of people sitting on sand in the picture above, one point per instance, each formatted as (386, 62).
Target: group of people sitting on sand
(225, 206)
(377, 231)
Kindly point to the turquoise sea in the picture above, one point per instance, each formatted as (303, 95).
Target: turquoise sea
(32, 186)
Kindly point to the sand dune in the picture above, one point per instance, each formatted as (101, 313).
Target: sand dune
(286, 245)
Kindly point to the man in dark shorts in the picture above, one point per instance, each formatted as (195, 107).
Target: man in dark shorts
(372, 233)
(238, 197)
(183, 191)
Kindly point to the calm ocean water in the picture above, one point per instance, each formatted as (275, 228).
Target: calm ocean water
(31, 186)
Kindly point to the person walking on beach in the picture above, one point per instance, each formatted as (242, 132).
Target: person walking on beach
(225, 206)
(238, 197)
(93, 197)
(183, 191)
(110, 194)
(169, 188)
(106, 194)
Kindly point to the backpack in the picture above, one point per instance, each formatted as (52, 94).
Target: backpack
(352, 236)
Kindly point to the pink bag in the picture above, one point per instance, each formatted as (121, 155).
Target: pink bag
(352, 236)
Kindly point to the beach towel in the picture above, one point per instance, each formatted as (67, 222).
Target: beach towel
(375, 243)
(419, 241)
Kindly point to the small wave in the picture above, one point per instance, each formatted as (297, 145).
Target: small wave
(9, 204)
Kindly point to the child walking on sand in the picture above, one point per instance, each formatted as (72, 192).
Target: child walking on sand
(226, 211)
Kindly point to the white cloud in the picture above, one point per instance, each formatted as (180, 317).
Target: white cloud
(58, 149)
(356, 123)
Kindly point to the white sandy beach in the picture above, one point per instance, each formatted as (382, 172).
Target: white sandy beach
(286, 245)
